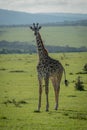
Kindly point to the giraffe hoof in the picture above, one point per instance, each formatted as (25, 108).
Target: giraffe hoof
(56, 108)
(47, 110)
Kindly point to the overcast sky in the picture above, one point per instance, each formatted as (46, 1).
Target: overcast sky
(35, 6)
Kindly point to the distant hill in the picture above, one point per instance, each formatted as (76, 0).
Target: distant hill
(8, 17)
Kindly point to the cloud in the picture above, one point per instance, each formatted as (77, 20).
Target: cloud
(74, 6)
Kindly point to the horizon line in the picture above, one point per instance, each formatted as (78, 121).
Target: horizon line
(21, 11)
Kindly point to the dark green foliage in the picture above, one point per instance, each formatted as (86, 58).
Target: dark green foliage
(84, 72)
(17, 71)
(85, 67)
(2, 69)
(16, 103)
(79, 84)
(23, 48)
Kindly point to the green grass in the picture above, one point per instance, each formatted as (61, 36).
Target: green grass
(74, 36)
(19, 95)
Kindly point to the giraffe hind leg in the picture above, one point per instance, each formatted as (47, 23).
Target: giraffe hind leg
(56, 85)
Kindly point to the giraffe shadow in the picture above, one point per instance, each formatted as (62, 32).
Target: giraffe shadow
(37, 111)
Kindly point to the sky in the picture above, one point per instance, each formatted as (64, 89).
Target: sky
(45, 6)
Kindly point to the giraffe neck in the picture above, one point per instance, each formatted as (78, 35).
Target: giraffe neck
(42, 52)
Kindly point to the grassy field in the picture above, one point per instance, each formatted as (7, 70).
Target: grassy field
(19, 95)
(74, 36)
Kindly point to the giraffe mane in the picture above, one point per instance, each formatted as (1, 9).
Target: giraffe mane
(45, 50)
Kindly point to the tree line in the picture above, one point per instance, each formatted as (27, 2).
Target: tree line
(63, 23)
(23, 47)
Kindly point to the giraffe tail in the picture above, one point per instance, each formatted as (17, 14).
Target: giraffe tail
(66, 81)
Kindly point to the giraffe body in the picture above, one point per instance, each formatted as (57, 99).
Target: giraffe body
(47, 68)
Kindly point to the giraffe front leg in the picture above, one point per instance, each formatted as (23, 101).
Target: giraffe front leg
(47, 91)
(40, 94)
(47, 101)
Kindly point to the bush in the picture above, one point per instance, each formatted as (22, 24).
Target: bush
(85, 67)
(79, 84)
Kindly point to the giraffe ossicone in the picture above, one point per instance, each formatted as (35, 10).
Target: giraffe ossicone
(47, 68)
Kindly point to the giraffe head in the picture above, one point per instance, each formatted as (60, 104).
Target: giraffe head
(35, 28)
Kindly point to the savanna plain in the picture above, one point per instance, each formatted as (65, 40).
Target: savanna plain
(19, 94)
(19, 87)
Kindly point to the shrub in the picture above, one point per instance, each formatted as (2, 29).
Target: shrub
(85, 67)
(79, 84)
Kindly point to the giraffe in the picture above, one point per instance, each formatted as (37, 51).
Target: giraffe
(47, 68)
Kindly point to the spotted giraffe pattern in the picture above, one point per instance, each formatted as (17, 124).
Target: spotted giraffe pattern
(47, 68)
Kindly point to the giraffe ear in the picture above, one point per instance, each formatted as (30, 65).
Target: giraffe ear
(31, 27)
(40, 27)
